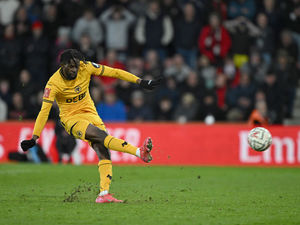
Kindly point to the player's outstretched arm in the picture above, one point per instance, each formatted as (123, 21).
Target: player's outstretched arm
(38, 126)
(124, 75)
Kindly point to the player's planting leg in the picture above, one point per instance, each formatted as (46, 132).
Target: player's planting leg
(105, 171)
(104, 167)
(96, 135)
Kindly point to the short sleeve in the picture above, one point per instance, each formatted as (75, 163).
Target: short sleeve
(49, 92)
(95, 68)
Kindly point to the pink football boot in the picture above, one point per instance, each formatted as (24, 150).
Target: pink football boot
(146, 149)
(108, 198)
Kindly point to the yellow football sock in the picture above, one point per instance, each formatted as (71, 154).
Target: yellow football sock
(105, 170)
(119, 145)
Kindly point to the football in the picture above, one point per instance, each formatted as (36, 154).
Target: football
(259, 139)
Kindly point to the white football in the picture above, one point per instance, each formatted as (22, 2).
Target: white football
(259, 139)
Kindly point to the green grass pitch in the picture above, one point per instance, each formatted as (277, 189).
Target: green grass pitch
(65, 194)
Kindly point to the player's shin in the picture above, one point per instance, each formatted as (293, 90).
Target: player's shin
(120, 145)
(105, 170)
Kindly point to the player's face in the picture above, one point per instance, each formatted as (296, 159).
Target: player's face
(70, 70)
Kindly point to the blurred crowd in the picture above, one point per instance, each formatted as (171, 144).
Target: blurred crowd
(231, 60)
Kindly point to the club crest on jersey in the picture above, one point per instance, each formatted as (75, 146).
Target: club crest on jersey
(79, 133)
(95, 65)
(77, 89)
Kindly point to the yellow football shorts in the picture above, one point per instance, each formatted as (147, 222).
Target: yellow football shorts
(76, 125)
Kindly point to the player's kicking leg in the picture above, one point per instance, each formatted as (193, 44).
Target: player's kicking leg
(96, 135)
(101, 141)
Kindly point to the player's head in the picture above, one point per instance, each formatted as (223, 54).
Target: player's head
(69, 62)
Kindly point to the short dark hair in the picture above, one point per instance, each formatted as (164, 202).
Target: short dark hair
(70, 54)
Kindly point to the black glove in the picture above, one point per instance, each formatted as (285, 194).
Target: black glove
(27, 144)
(150, 84)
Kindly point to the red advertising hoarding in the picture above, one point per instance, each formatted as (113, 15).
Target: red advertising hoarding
(174, 144)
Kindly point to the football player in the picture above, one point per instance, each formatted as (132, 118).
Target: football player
(69, 86)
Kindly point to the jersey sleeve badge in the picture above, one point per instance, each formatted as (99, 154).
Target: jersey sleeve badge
(47, 92)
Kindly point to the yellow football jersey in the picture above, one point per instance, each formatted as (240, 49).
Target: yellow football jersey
(72, 96)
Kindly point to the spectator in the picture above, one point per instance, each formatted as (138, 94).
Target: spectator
(242, 31)
(22, 23)
(288, 44)
(221, 90)
(87, 48)
(149, 96)
(88, 24)
(112, 109)
(271, 10)
(240, 98)
(62, 43)
(154, 30)
(272, 89)
(293, 21)
(256, 67)
(207, 72)
(7, 11)
(187, 109)
(135, 65)
(179, 70)
(117, 21)
(124, 91)
(17, 110)
(139, 8)
(245, 8)
(26, 87)
(288, 75)
(218, 6)
(193, 84)
(292, 17)
(10, 54)
(33, 10)
(165, 109)
(214, 40)
(36, 55)
(152, 64)
(3, 110)
(231, 72)
(209, 110)
(139, 111)
(170, 90)
(51, 21)
(171, 8)
(100, 6)
(111, 61)
(187, 29)
(69, 11)
(5, 92)
(265, 41)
